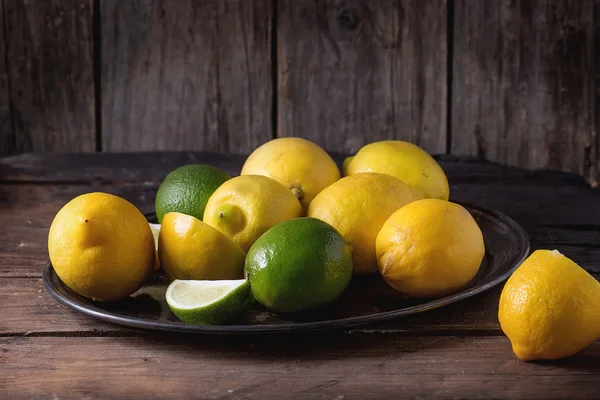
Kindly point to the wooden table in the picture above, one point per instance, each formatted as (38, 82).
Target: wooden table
(50, 352)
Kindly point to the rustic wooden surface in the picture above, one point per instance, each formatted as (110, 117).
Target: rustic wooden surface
(49, 351)
(351, 72)
(186, 75)
(525, 82)
(49, 51)
(7, 137)
(514, 81)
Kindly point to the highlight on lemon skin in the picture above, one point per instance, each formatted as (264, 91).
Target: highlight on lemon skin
(550, 307)
(299, 164)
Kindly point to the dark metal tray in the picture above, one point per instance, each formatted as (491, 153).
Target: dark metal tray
(367, 299)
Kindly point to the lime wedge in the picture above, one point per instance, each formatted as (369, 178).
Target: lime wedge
(209, 302)
(155, 232)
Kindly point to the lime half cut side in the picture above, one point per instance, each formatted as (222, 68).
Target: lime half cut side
(209, 302)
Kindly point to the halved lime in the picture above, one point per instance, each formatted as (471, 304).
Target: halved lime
(209, 302)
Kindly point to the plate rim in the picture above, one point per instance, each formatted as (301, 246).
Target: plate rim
(49, 276)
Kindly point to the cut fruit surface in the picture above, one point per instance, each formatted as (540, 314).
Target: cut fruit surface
(209, 302)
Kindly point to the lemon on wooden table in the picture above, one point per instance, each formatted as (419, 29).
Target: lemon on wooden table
(101, 246)
(190, 249)
(209, 302)
(429, 248)
(245, 207)
(187, 189)
(299, 264)
(299, 164)
(550, 307)
(406, 161)
(357, 206)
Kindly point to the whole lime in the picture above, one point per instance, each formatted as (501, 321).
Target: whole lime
(186, 190)
(299, 264)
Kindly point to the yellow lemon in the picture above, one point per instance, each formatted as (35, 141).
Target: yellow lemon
(357, 206)
(101, 246)
(245, 207)
(429, 248)
(297, 163)
(406, 161)
(190, 249)
(550, 307)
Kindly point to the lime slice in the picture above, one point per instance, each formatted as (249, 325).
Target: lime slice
(155, 232)
(209, 302)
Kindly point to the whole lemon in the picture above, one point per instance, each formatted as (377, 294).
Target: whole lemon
(429, 248)
(245, 207)
(404, 160)
(297, 163)
(190, 249)
(357, 206)
(101, 246)
(550, 307)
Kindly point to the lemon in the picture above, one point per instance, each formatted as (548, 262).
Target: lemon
(245, 207)
(357, 206)
(187, 189)
(209, 302)
(190, 249)
(404, 160)
(429, 248)
(299, 264)
(297, 163)
(101, 246)
(550, 307)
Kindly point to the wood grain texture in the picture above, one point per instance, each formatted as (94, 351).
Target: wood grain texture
(153, 166)
(50, 65)
(352, 72)
(186, 75)
(7, 137)
(523, 82)
(332, 367)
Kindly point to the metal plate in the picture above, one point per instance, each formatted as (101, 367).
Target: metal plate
(367, 299)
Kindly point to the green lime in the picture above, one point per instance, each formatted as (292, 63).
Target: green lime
(299, 264)
(209, 302)
(187, 189)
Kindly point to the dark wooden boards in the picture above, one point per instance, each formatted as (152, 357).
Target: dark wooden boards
(49, 50)
(524, 83)
(185, 75)
(7, 137)
(351, 72)
(332, 367)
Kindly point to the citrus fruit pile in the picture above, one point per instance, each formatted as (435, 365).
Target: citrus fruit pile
(291, 231)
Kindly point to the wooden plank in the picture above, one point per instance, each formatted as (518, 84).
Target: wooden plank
(351, 72)
(337, 366)
(186, 75)
(523, 89)
(50, 53)
(7, 137)
(153, 166)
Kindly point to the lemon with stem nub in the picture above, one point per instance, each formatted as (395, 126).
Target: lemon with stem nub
(245, 207)
(299, 164)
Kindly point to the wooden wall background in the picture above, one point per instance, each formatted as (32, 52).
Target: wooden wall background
(515, 81)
